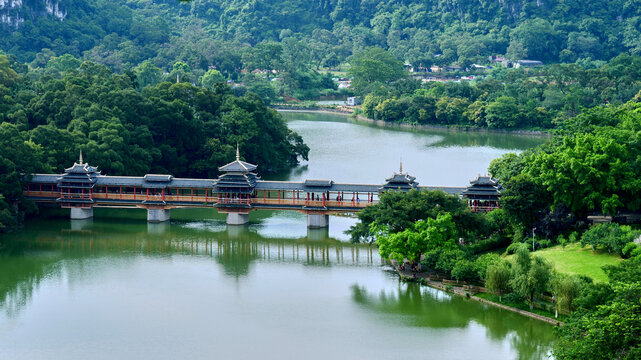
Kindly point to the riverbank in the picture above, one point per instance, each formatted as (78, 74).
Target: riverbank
(469, 292)
(349, 112)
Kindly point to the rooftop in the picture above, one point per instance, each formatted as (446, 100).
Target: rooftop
(238, 165)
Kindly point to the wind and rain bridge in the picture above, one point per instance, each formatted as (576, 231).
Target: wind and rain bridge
(236, 192)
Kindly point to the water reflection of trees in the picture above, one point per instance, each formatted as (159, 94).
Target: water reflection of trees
(430, 308)
(34, 254)
(486, 139)
(21, 274)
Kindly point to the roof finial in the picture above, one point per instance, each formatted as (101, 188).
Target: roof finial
(237, 152)
(80, 159)
(401, 167)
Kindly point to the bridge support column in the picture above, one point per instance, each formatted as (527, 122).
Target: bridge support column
(81, 213)
(237, 219)
(158, 215)
(315, 221)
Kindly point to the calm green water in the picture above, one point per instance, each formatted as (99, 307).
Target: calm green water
(117, 287)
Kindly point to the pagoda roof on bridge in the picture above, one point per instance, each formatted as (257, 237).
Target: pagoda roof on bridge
(238, 165)
(238, 177)
(80, 175)
(400, 181)
(81, 167)
(483, 187)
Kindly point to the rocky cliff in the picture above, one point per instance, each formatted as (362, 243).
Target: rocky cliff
(14, 12)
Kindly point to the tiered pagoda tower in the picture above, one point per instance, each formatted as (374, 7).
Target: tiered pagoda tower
(76, 189)
(400, 181)
(235, 188)
(483, 194)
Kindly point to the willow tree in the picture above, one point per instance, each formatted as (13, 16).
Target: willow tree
(497, 279)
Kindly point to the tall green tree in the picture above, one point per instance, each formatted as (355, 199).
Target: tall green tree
(530, 275)
(424, 235)
(497, 279)
(374, 65)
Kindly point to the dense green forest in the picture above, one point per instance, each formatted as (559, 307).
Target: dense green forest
(199, 40)
(505, 98)
(295, 38)
(433, 31)
(174, 128)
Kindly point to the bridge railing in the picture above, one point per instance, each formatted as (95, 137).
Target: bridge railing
(48, 194)
(75, 196)
(201, 199)
(311, 203)
(483, 208)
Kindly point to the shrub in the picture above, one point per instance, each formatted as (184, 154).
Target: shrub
(562, 240)
(545, 244)
(514, 247)
(464, 270)
(484, 261)
(611, 237)
(628, 249)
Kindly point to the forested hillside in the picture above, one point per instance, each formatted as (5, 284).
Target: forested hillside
(123, 33)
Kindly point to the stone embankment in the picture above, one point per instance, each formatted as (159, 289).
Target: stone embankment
(433, 280)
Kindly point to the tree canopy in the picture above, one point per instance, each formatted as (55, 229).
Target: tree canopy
(171, 128)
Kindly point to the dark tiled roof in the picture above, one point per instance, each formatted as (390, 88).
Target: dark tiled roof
(81, 169)
(238, 166)
(157, 178)
(318, 183)
(484, 180)
(483, 186)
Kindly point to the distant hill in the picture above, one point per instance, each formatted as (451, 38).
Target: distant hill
(123, 33)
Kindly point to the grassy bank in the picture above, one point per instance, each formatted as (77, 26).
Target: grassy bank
(576, 260)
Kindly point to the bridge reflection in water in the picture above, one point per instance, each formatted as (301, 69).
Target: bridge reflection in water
(41, 249)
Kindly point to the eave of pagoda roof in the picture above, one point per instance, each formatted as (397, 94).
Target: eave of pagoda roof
(81, 169)
(485, 180)
(238, 166)
(401, 178)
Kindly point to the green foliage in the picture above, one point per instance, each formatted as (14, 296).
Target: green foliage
(8, 76)
(465, 270)
(211, 78)
(629, 250)
(147, 74)
(565, 290)
(525, 202)
(577, 172)
(422, 236)
(172, 128)
(483, 262)
(530, 275)
(611, 237)
(611, 331)
(589, 167)
(515, 247)
(398, 211)
(60, 65)
(372, 66)
(497, 278)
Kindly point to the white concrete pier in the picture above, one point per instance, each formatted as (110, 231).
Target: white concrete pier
(158, 215)
(317, 221)
(81, 213)
(237, 219)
